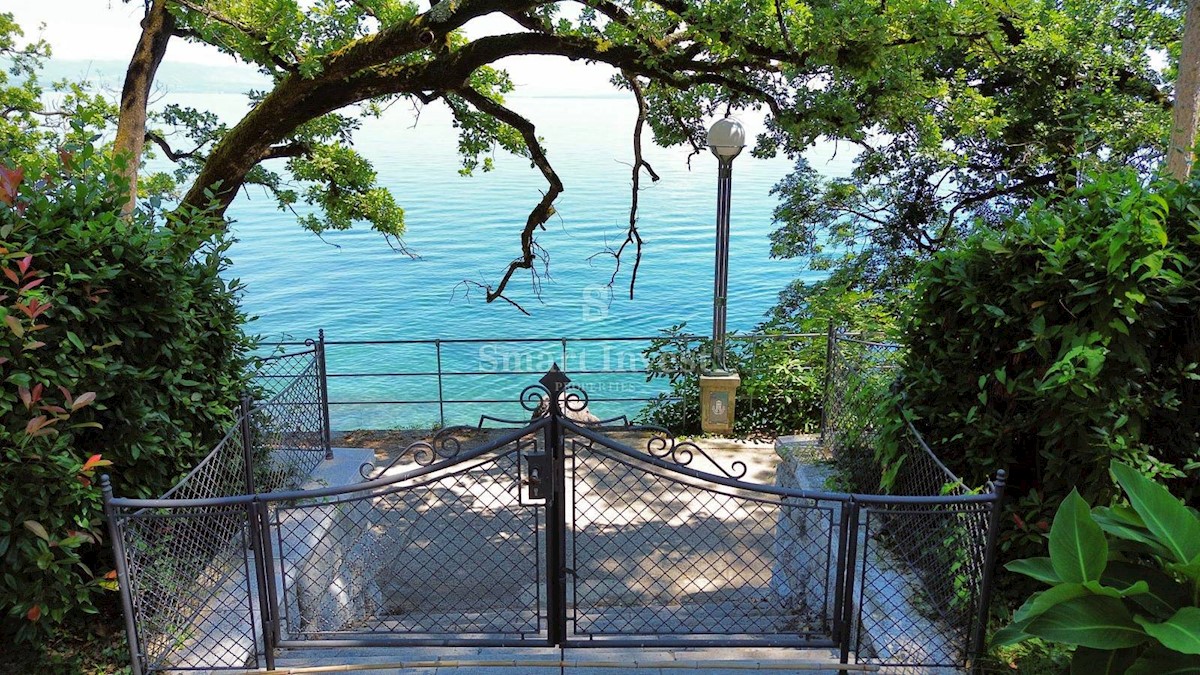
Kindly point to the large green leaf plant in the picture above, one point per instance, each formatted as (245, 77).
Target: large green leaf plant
(1124, 583)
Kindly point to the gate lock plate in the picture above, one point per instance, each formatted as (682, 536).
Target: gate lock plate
(538, 475)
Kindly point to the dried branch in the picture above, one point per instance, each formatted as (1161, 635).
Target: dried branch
(467, 285)
(632, 236)
(544, 208)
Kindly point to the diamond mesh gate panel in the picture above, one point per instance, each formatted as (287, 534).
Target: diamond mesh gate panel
(655, 555)
(288, 432)
(188, 578)
(451, 554)
(189, 568)
(920, 573)
(925, 557)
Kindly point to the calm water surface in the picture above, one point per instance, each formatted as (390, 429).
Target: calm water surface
(356, 287)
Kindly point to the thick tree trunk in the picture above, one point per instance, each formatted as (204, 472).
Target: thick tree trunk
(1187, 97)
(157, 28)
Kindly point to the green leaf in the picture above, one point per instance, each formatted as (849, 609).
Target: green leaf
(37, 529)
(1038, 568)
(1180, 633)
(1159, 660)
(1091, 621)
(1136, 588)
(1011, 634)
(1087, 661)
(1040, 602)
(1112, 521)
(1165, 516)
(1078, 549)
(1165, 595)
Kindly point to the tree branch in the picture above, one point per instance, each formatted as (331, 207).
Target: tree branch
(544, 208)
(1011, 188)
(170, 152)
(632, 236)
(249, 31)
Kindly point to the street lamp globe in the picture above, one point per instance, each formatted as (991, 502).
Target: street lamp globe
(726, 138)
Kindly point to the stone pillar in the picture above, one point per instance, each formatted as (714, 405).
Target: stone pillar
(718, 394)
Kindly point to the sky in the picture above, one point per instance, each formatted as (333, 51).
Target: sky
(107, 30)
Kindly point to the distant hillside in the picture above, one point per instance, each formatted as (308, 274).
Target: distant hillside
(177, 78)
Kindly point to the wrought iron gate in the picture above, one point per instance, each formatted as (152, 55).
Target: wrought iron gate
(562, 531)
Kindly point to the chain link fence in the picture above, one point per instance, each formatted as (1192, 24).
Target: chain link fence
(185, 569)
(931, 558)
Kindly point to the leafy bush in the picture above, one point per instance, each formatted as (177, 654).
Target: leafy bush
(1129, 602)
(120, 339)
(1064, 342)
(783, 380)
(782, 383)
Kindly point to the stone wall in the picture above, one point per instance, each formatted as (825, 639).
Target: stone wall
(806, 538)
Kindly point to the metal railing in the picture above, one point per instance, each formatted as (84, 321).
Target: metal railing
(203, 570)
(878, 449)
(175, 565)
(220, 582)
(379, 384)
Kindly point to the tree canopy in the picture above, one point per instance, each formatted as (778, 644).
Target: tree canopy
(933, 93)
(956, 111)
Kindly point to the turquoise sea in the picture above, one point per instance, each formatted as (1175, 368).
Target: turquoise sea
(356, 287)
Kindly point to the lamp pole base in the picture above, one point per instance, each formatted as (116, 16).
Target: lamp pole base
(718, 394)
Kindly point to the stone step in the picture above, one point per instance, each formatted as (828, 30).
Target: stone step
(610, 661)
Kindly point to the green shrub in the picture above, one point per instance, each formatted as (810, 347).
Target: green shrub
(1124, 583)
(781, 390)
(1061, 343)
(783, 380)
(131, 314)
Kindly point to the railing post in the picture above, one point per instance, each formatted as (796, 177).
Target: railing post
(323, 377)
(989, 564)
(116, 536)
(247, 432)
(556, 580)
(847, 608)
(839, 584)
(262, 577)
(441, 392)
(830, 336)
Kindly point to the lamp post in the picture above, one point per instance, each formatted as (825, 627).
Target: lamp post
(718, 386)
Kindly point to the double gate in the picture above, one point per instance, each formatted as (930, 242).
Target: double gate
(562, 532)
